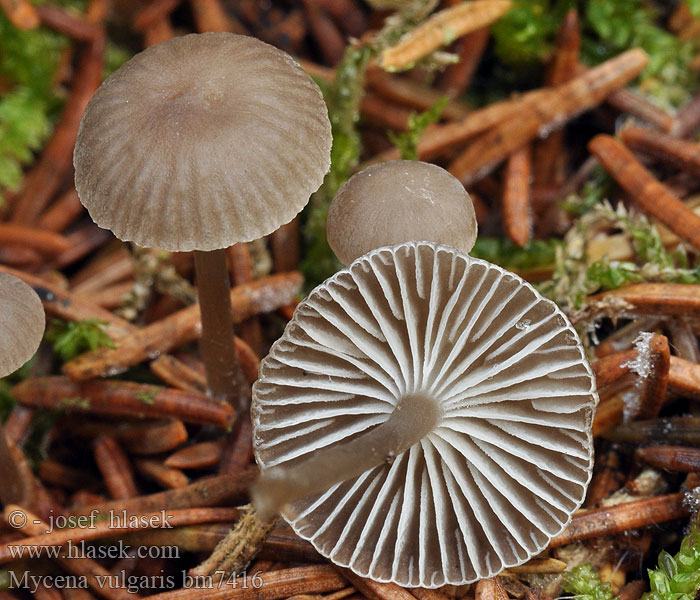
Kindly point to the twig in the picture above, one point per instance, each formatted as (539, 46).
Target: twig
(347, 14)
(262, 295)
(673, 430)
(658, 298)
(448, 24)
(648, 192)
(62, 212)
(555, 108)
(46, 242)
(166, 476)
(179, 375)
(375, 590)
(688, 118)
(68, 306)
(680, 153)
(198, 456)
(456, 78)
(155, 11)
(82, 242)
(236, 550)
(547, 152)
(241, 266)
(517, 213)
(211, 491)
(684, 377)
(383, 114)
(210, 15)
(122, 398)
(412, 94)
(273, 585)
(284, 243)
(615, 519)
(652, 392)
(19, 257)
(673, 458)
(330, 40)
(115, 468)
(607, 477)
(21, 13)
(625, 100)
(153, 438)
(442, 138)
(72, 25)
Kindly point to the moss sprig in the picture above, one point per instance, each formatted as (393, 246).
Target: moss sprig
(677, 577)
(407, 141)
(69, 339)
(525, 37)
(576, 277)
(585, 584)
(30, 98)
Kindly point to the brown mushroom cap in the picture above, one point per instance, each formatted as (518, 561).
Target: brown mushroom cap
(201, 142)
(400, 201)
(22, 323)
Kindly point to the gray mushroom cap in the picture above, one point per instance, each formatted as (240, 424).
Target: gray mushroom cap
(511, 456)
(201, 142)
(22, 323)
(400, 201)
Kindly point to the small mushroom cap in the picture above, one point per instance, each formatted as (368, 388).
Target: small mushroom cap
(511, 455)
(400, 201)
(201, 142)
(22, 323)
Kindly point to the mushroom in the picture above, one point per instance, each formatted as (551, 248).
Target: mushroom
(22, 323)
(399, 201)
(198, 143)
(425, 418)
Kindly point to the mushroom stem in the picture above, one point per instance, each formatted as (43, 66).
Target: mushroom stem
(216, 344)
(414, 417)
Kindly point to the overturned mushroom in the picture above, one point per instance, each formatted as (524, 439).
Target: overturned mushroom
(400, 201)
(196, 144)
(425, 418)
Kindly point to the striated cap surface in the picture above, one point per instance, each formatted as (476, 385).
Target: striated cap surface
(22, 323)
(511, 455)
(400, 201)
(201, 142)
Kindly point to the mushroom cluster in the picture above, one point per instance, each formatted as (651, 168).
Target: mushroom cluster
(425, 418)
(198, 143)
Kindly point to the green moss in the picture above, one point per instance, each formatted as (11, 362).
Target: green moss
(677, 577)
(585, 584)
(503, 252)
(343, 97)
(407, 141)
(525, 36)
(69, 339)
